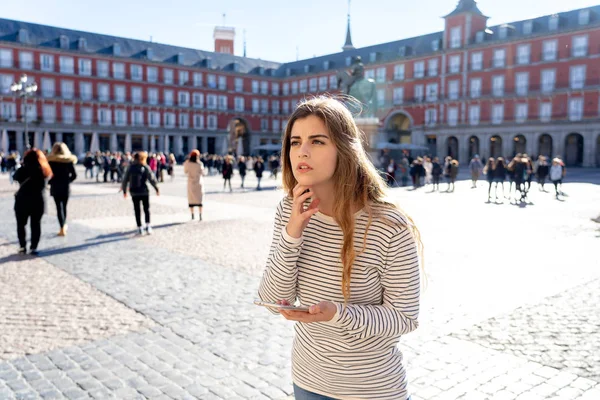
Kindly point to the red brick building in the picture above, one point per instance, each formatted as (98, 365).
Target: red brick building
(529, 86)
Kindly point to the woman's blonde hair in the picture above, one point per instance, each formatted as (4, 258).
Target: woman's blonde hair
(141, 157)
(360, 183)
(60, 149)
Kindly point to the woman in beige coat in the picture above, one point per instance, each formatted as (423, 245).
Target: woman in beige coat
(194, 169)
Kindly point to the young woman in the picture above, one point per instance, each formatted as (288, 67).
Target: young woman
(172, 162)
(436, 172)
(488, 171)
(194, 169)
(259, 168)
(227, 171)
(557, 173)
(542, 172)
(242, 169)
(136, 177)
(499, 175)
(62, 163)
(29, 199)
(364, 294)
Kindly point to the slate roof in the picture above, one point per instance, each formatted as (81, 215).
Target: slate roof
(465, 6)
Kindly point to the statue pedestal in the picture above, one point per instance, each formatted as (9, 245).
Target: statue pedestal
(370, 128)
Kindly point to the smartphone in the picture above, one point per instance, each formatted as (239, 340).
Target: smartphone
(280, 306)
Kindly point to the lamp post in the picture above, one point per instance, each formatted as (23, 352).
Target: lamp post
(23, 89)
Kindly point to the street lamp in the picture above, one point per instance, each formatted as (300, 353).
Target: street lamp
(23, 89)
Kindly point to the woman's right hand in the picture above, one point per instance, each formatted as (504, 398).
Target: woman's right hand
(300, 217)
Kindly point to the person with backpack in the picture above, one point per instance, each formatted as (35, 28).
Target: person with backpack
(136, 177)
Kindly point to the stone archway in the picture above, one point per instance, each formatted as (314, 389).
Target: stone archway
(545, 144)
(239, 137)
(519, 145)
(452, 147)
(398, 128)
(473, 146)
(574, 149)
(496, 146)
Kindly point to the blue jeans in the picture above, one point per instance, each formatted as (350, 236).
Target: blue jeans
(301, 394)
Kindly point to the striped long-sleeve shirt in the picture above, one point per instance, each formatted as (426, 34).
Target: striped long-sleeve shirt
(355, 355)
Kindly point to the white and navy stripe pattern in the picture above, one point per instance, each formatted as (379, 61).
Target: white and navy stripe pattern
(355, 355)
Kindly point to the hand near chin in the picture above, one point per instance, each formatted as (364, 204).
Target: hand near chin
(300, 216)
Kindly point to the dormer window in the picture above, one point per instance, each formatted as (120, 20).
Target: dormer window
(306, 69)
(236, 67)
(288, 72)
(261, 71)
(373, 57)
(527, 27)
(63, 42)
(325, 65)
(116, 49)
(553, 22)
(479, 36)
(584, 17)
(149, 53)
(82, 44)
(179, 58)
(23, 36)
(435, 45)
(402, 51)
(503, 32)
(208, 63)
(348, 61)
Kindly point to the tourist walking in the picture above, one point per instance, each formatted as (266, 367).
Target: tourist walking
(136, 178)
(242, 169)
(194, 169)
(499, 175)
(227, 171)
(88, 163)
(390, 173)
(62, 163)
(436, 173)
(475, 167)
(171, 166)
(259, 168)
(488, 171)
(29, 199)
(557, 173)
(452, 174)
(363, 295)
(542, 171)
(428, 166)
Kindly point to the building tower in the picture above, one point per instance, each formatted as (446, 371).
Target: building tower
(463, 23)
(224, 38)
(348, 45)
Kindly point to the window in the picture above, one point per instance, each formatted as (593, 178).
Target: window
(67, 89)
(49, 113)
(584, 17)
(169, 120)
(152, 73)
(348, 61)
(168, 76)
(435, 45)
(222, 103)
(86, 116)
(66, 65)
(419, 71)
(30, 113)
(153, 96)
(104, 116)
(85, 67)
(454, 64)
(102, 69)
(275, 106)
(264, 106)
(580, 46)
(503, 32)
(211, 81)
(548, 79)
(333, 83)
(577, 77)
(499, 58)
(47, 62)
(136, 72)
(553, 22)
(550, 48)
(399, 72)
(432, 92)
(295, 87)
(545, 112)
(136, 95)
(5, 82)
(276, 125)
(199, 121)
(25, 60)
(285, 89)
(313, 84)
(275, 88)
(527, 27)
(285, 107)
(9, 111)
(68, 114)
(475, 87)
(85, 90)
(120, 117)
(452, 116)
(255, 105)
(523, 54)
(380, 97)
(521, 83)
(239, 85)
(381, 74)
(168, 97)
(184, 120)
(372, 57)
(222, 83)
(120, 93)
(255, 87)
(211, 101)
(6, 58)
(264, 87)
(370, 74)
(498, 85)
(453, 90)
(118, 70)
(497, 113)
(303, 86)
(238, 104)
(418, 93)
(477, 61)
(430, 117)
(398, 95)
(154, 119)
(183, 99)
(264, 125)
(521, 113)
(198, 100)
(212, 122)
(197, 79)
(576, 109)
(47, 87)
(474, 115)
(455, 34)
(183, 78)
(137, 118)
(432, 66)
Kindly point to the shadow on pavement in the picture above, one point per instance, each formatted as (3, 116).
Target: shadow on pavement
(127, 234)
(16, 258)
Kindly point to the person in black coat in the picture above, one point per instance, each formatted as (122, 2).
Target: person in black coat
(227, 171)
(259, 167)
(543, 169)
(136, 176)
(242, 169)
(29, 199)
(62, 163)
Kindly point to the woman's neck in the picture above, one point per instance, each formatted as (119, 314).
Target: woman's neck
(325, 194)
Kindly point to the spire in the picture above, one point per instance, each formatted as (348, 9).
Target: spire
(348, 45)
(466, 6)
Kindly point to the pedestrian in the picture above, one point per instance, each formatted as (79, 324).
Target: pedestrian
(29, 199)
(114, 167)
(242, 169)
(88, 163)
(98, 165)
(404, 171)
(227, 171)
(557, 173)
(436, 173)
(12, 164)
(391, 173)
(259, 167)
(499, 175)
(542, 171)
(428, 166)
(452, 174)
(171, 166)
(62, 163)
(361, 299)
(194, 169)
(153, 164)
(135, 179)
(488, 171)
(475, 167)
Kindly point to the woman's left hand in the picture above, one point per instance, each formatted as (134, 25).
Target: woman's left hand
(322, 312)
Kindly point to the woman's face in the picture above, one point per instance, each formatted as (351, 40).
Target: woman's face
(312, 153)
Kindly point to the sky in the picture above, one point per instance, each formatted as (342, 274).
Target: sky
(275, 30)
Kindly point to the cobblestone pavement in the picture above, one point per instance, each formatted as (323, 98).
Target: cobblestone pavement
(495, 269)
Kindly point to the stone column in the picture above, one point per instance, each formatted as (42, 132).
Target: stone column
(37, 140)
(165, 146)
(440, 145)
(507, 145)
(20, 142)
(128, 142)
(463, 148)
(4, 141)
(589, 149)
(152, 144)
(79, 143)
(178, 145)
(114, 144)
(192, 142)
(204, 148)
(558, 144)
(145, 143)
(95, 143)
(59, 137)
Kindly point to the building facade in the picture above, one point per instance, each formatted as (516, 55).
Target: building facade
(530, 86)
